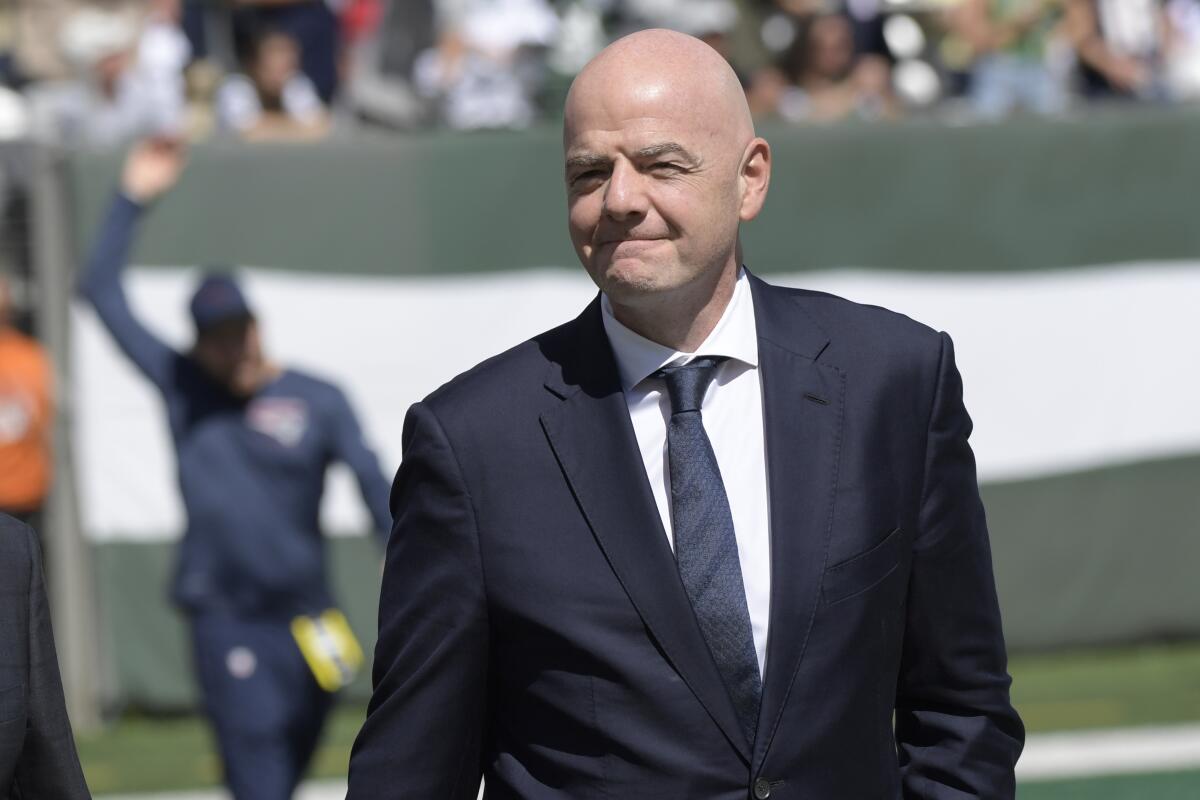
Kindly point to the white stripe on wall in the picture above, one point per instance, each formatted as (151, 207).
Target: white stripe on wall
(1064, 370)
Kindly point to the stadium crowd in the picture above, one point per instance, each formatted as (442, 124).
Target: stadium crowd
(100, 72)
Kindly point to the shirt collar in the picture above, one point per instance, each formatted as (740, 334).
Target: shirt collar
(734, 337)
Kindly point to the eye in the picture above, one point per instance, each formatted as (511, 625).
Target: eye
(587, 177)
(665, 166)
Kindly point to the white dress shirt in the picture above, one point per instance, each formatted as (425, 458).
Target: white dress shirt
(733, 418)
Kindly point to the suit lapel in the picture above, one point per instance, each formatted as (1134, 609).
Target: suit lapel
(594, 442)
(802, 415)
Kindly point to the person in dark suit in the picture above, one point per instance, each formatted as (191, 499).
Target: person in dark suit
(711, 539)
(37, 753)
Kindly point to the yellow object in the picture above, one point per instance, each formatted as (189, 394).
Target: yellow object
(329, 647)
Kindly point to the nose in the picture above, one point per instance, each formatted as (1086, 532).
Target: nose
(625, 196)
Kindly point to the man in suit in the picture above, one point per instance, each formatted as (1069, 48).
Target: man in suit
(37, 753)
(710, 539)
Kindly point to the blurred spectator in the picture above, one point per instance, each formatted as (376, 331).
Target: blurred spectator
(312, 24)
(711, 21)
(488, 65)
(1120, 45)
(823, 78)
(128, 76)
(201, 79)
(700, 18)
(472, 64)
(1009, 40)
(37, 54)
(272, 99)
(803, 9)
(1183, 51)
(193, 21)
(868, 17)
(26, 419)
(7, 34)
(14, 121)
(383, 41)
(581, 35)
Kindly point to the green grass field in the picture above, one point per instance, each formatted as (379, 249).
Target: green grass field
(1165, 786)
(1108, 689)
(1069, 691)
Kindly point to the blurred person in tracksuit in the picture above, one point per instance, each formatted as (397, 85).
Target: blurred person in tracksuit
(253, 441)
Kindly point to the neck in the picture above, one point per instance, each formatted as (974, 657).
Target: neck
(682, 319)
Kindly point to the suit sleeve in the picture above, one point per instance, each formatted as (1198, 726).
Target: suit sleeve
(49, 765)
(957, 733)
(424, 727)
(101, 286)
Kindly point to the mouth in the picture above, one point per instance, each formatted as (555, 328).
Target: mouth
(631, 243)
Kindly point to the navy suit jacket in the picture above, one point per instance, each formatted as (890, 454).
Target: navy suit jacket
(37, 753)
(533, 628)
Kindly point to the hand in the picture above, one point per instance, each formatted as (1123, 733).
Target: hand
(152, 167)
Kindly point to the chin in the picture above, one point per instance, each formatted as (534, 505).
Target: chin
(628, 278)
(238, 389)
(242, 385)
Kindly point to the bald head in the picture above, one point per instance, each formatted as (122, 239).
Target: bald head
(662, 72)
(662, 166)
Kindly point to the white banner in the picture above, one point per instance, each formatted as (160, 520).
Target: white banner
(1063, 370)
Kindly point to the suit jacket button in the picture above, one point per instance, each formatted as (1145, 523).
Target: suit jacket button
(762, 789)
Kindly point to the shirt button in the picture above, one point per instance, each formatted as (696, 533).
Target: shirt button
(762, 789)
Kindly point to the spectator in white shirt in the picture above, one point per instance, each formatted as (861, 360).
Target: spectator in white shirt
(130, 77)
(484, 72)
(272, 99)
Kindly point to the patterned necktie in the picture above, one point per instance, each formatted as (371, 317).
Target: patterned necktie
(706, 550)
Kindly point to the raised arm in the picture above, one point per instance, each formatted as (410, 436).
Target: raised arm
(151, 169)
(957, 733)
(425, 723)
(350, 447)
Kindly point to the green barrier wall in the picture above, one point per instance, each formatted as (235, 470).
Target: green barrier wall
(1017, 195)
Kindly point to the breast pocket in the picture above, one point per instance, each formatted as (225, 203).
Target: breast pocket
(864, 571)
(12, 703)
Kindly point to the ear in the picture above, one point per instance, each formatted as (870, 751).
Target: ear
(755, 177)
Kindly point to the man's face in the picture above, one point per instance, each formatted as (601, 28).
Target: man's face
(231, 353)
(652, 191)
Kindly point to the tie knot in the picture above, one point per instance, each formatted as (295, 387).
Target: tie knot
(687, 383)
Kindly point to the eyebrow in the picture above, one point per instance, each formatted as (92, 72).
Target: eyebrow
(664, 148)
(586, 160)
(592, 160)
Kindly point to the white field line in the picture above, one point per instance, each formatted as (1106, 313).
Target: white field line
(313, 790)
(1110, 752)
(1047, 756)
